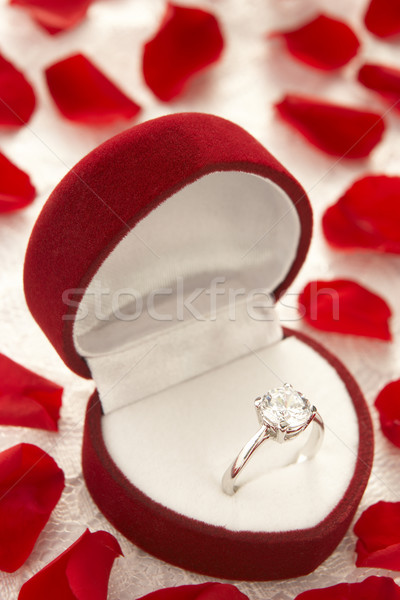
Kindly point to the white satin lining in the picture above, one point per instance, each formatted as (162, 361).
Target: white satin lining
(236, 228)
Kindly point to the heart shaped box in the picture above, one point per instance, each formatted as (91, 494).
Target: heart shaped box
(150, 269)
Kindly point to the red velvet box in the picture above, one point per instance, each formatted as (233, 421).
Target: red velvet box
(150, 269)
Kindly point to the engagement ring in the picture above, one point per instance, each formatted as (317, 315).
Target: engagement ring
(283, 413)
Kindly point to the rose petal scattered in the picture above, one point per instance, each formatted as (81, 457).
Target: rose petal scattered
(383, 80)
(372, 588)
(344, 306)
(80, 573)
(188, 40)
(55, 16)
(383, 18)
(85, 95)
(367, 216)
(202, 591)
(388, 405)
(335, 129)
(30, 487)
(16, 189)
(378, 532)
(316, 43)
(18, 99)
(26, 399)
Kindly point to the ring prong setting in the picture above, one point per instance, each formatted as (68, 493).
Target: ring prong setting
(281, 432)
(284, 412)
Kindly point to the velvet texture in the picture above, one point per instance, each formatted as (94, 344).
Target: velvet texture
(212, 550)
(118, 184)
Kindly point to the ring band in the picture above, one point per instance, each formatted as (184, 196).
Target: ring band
(283, 413)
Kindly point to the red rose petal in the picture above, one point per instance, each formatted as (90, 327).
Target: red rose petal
(30, 487)
(388, 406)
(80, 573)
(378, 530)
(372, 588)
(27, 399)
(366, 216)
(344, 306)
(383, 18)
(381, 79)
(17, 98)
(189, 39)
(202, 591)
(335, 129)
(83, 94)
(16, 190)
(55, 16)
(323, 43)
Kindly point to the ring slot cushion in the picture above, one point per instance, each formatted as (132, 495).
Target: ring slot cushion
(139, 270)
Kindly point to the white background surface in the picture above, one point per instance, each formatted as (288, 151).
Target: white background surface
(252, 74)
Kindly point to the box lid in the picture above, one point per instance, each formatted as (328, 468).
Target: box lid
(104, 198)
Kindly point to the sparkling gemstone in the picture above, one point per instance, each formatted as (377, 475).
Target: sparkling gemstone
(284, 404)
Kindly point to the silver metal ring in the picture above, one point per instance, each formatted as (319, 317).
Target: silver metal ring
(283, 413)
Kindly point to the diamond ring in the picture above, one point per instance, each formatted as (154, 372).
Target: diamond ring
(283, 413)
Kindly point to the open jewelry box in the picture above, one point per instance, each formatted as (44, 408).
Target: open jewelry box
(139, 270)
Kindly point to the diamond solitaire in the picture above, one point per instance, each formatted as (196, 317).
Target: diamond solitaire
(284, 408)
(283, 413)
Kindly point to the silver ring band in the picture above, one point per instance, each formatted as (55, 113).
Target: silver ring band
(284, 413)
